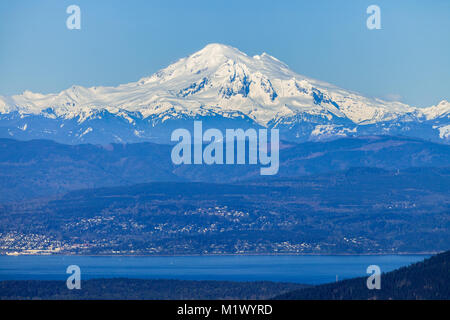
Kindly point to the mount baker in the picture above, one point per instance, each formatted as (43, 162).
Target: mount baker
(223, 87)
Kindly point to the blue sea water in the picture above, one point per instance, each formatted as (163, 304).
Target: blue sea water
(299, 269)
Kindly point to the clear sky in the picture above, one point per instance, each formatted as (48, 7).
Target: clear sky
(122, 41)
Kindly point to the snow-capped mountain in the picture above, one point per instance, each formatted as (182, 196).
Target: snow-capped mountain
(225, 88)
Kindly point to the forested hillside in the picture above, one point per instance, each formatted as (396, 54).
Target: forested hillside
(429, 279)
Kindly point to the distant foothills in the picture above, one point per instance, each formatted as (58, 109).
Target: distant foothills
(426, 280)
(360, 195)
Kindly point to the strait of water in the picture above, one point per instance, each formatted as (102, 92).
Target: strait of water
(299, 269)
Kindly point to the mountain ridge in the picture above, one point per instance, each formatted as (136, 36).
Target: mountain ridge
(219, 82)
(38, 168)
(357, 211)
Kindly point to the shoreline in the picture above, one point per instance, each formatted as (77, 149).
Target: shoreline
(427, 253)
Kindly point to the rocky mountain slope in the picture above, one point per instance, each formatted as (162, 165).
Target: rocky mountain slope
(224, 87)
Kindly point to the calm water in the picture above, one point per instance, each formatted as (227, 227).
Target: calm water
(300, 269)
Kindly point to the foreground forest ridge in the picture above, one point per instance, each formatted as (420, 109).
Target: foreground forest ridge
(428, 279)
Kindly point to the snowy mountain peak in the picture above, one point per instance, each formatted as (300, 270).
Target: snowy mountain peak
(222, 81)
(216, 50)
(440, 110)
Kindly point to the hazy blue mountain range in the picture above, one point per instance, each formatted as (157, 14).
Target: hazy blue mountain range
(356, 211)
(42, 168)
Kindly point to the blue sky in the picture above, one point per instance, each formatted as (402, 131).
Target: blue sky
(122, 41)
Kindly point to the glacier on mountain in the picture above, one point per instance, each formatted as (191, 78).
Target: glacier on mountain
(221, 85)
